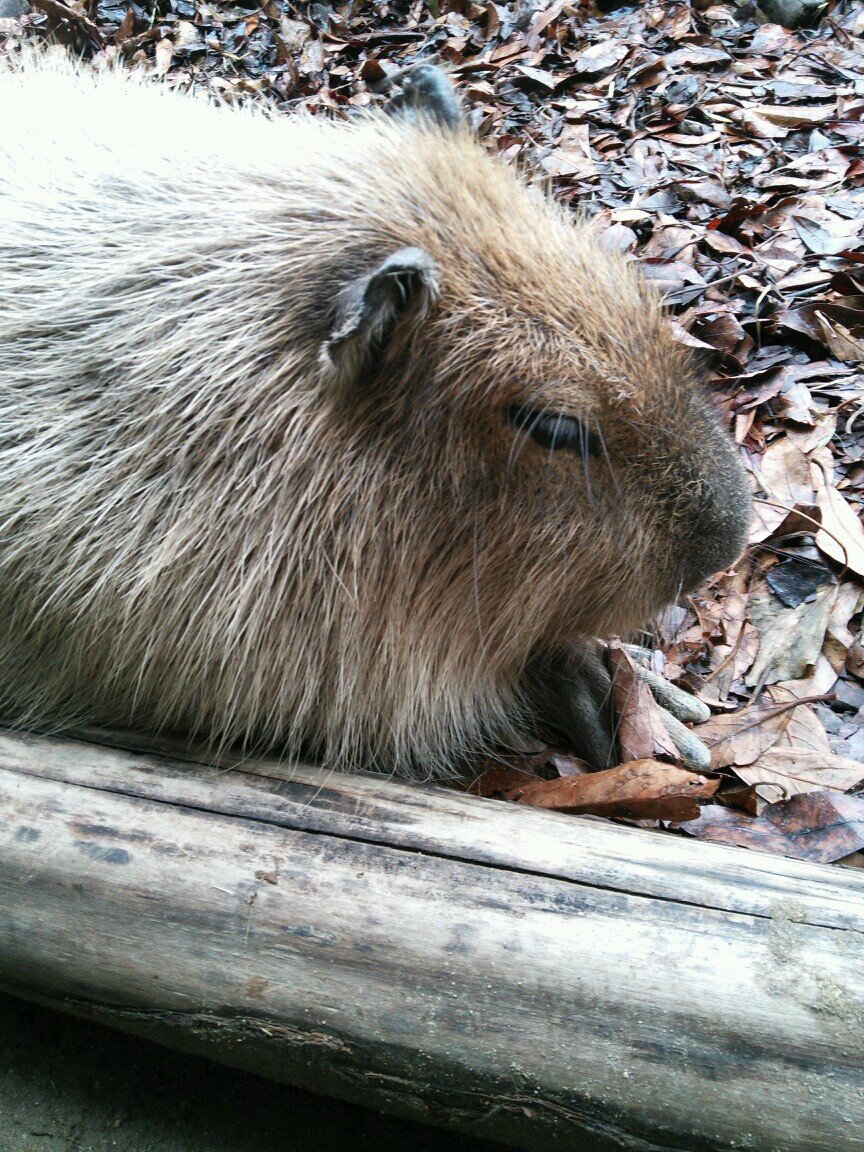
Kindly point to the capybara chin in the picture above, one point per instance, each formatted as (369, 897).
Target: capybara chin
(333, 438)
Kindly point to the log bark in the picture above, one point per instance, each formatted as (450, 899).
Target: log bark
(549, 981)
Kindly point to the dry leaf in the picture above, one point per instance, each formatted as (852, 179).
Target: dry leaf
(600, 57)
(819, 826)
(641, 789)
(640, 726)
(818, 682)
(843, 344)
(740, 738)
(790, 640)
(855, 660)
(789, 771)
(784, 472)
(500, 774)
(841, 536)
(794, 116)
(164, 55)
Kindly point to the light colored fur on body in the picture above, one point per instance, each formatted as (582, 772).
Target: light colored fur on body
(204, 527)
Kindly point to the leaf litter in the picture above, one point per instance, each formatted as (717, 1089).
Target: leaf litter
(722, 151)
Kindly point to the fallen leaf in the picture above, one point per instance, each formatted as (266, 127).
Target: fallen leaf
(804, 518)
(784, 473)
(817, 826)
(794, 116)
(65, 20)
(855, 660)
(164, 55)
(841, 341)
(792, 771)
(839, 638)
(795, 581)
(740, 738)
(780, 719)
(695, 56)
(600, 57)
(538, 76)
(790, 640)
(641, 730)
(500, 774)
(820, 240)
(640, 789)
(841, 536)
(819, 681)
(805, 731)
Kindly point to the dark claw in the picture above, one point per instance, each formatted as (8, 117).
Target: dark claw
(427, 90)
(571, 691)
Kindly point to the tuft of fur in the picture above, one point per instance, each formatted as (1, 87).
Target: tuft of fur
(208, 524)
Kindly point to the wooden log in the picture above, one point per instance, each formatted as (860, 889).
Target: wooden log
(549, 981)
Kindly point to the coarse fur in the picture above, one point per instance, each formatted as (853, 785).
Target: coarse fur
(214, 518)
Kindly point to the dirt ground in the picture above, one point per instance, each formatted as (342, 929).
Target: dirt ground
(66, 1086)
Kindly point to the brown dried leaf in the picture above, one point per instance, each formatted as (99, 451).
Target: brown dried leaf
(164, 55)
(819, 826)
(790, 640)
(641, 730)
(855, 660)
(696, 57)
(842, 343)
(740, 738)
(499, 774)
(781, 720)
(785, 772)
(68, 23)
(804, 518)
(538, 75)
(821, 240)
(841, 536)
(600, 57)
(759, 126)
(785, 474)
(641, 789)
(500, 779)
(572, 157)
(804, 731)
(795, 116)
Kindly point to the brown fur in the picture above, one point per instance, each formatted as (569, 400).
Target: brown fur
(209, 522)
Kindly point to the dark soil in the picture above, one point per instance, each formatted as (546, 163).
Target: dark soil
(67, 1086)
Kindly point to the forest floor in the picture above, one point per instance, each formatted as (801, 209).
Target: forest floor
(67, 1086)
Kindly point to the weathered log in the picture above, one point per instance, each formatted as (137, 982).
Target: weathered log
(550, 981)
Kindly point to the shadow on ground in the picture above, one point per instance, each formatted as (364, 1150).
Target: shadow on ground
(66, 1086)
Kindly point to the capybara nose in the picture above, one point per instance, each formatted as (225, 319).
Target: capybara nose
(717, 526)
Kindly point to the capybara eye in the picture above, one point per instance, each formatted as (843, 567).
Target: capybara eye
(554, 430)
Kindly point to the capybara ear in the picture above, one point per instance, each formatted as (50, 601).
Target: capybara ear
(427, 92)
(369, 310)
